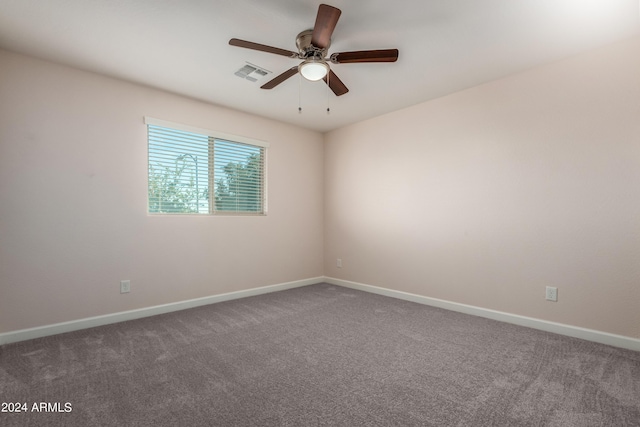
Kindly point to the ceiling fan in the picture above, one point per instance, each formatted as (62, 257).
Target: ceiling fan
(312, 49)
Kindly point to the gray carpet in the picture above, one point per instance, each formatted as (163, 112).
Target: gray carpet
(320, 355)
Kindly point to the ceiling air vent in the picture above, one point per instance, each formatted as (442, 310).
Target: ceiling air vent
(252, 72)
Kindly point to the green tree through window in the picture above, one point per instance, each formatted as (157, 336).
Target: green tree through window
(173, 189)
(237, 187)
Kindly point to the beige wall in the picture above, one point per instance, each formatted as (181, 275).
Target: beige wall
(483, 197)
(486, 196)
(73, 219)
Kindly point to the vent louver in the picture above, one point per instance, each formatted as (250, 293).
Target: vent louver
(251, 72)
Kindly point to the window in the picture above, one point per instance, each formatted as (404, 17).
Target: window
(195, 171)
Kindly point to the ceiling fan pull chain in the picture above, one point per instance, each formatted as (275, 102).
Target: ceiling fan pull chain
(299, 94)
(328, 90)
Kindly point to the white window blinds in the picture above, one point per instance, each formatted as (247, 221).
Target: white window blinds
(195, 171)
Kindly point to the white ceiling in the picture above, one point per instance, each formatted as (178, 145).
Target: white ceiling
(182, 46)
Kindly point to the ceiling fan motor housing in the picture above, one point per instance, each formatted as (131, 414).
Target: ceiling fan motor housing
(308, 50)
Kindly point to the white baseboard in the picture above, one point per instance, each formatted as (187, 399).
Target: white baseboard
(558, 328)
(90, 322)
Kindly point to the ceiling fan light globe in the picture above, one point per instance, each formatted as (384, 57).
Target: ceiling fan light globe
(314, 70)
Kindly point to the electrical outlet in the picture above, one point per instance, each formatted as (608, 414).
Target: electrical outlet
(125, 286)
(339, 263)
(552, 293)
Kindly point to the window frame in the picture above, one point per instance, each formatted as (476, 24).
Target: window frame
(212, 136)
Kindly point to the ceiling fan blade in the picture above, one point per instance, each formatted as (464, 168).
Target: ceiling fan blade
(335, 84)
(262, 47)
(326, 21)
(383, 55)
(279, 79)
